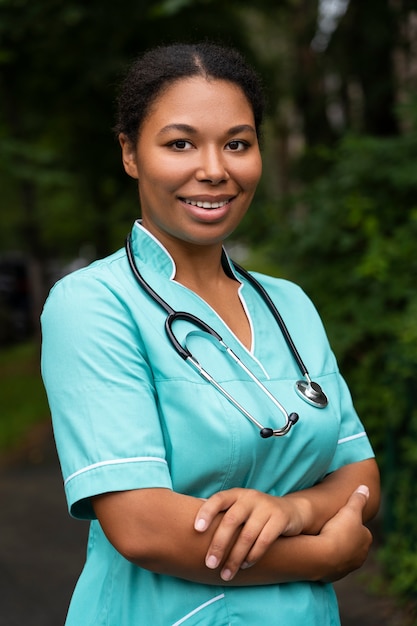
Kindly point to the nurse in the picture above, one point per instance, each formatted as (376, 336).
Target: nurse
(194, 518)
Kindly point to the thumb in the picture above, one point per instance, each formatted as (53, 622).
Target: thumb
(359, 498)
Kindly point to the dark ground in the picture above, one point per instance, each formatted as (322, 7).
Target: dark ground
(42, 549)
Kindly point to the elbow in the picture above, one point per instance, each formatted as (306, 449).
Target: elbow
(142, 552)
(135, 523)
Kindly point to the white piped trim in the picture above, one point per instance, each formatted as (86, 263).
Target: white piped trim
(245, 308)
(134, 459)
(199, 608)
(174, 267)
(250, 352)
(358, 436)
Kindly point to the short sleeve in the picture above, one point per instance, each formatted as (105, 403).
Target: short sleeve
(353, 444)
(100, 392)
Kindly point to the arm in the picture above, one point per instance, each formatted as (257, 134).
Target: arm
(153, 528)
(253, 521)
(321, 502)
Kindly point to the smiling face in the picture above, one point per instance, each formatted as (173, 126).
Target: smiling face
(197, 160)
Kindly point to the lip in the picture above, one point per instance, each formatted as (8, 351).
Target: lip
(209, 213)
(207, 202)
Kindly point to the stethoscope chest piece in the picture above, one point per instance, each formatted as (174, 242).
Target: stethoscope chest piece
(312, 393)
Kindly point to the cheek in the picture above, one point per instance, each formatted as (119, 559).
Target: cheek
(250, 173)
(164, 175)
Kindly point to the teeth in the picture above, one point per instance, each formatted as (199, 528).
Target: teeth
(207, 205)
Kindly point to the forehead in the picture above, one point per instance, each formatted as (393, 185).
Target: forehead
(200, 100)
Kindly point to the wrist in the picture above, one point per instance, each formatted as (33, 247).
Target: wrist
(302, 521)
(325, 569)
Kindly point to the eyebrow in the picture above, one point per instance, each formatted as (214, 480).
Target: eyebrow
(190, 130)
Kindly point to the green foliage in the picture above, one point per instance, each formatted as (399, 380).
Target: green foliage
(22, 396)
(399, 558)
(63, 186)
(350, 240)
(169, 7)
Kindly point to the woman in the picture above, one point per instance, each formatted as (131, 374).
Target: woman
(195, 518)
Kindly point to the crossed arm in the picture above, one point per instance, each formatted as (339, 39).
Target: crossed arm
(244, 537)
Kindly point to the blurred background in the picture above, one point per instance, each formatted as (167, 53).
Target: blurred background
(336, 210)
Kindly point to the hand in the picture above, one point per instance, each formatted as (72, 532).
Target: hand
(346, 541)
(251, 523)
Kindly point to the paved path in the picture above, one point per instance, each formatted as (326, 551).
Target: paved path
(42, 550)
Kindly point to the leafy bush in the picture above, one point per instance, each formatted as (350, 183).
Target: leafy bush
(22, 397)
(350, 239)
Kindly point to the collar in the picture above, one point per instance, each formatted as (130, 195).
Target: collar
(151, 255)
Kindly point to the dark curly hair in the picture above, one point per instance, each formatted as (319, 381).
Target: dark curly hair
(159, 67)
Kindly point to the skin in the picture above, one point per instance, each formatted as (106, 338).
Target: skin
(198, 144)
(183, 152)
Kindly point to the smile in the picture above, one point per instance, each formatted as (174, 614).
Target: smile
(207, 205)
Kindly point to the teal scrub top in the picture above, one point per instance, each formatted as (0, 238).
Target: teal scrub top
(129, 413)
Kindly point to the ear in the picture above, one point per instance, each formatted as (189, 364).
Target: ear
(128, 156)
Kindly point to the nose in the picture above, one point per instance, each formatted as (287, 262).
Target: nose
(212, 167)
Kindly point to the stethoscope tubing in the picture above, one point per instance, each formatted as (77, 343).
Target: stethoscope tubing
(307, 390)
(278, 318)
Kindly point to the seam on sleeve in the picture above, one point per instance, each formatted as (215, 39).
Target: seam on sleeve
(137, 459)
(352, 437)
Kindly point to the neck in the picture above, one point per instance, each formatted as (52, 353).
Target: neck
(198, 266)
(200, 269)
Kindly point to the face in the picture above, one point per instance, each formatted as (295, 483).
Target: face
(197, 161)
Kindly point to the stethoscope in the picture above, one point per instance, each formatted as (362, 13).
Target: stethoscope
(308, 390)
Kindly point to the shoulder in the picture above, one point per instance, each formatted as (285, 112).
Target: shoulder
(103, 274)
(283, 290)
(294, 305)
(93, 289)
(302, 321)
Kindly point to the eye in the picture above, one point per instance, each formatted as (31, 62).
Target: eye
(180, 145)
(237, 145)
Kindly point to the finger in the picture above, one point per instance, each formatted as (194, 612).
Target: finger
(251, 533)
(364, 490)
(218, 502)
(254, 540)
(359, 498)
(226, 535)
(265, 539)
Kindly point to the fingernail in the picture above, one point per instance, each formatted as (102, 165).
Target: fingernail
(212, 562)
(245, 565)
(226, 574)
(200, 524)
(364, 490)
